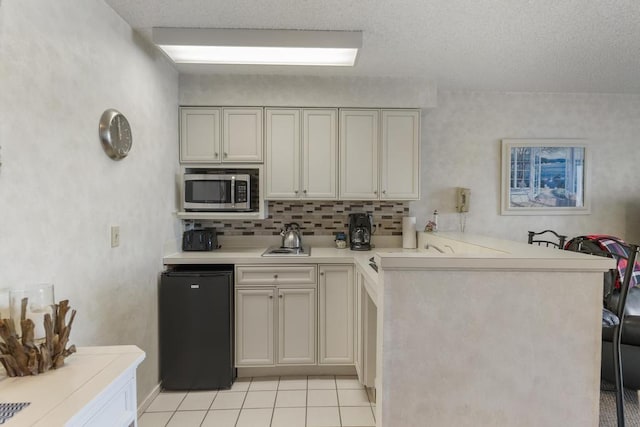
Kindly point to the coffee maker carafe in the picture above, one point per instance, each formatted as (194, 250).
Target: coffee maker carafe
(360, 225)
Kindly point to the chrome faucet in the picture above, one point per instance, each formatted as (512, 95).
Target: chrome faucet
(429, 246)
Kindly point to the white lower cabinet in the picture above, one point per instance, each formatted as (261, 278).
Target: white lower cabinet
(275, 315)
(296, 326)
(366, 334)
(295, 315)
(336, 315)
(254, 326)
(359, 289)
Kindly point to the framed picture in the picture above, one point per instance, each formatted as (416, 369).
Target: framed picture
(545, 177)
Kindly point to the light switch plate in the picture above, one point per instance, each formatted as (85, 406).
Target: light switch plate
(115, 236)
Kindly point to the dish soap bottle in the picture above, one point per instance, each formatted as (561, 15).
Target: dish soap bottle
(433, 224)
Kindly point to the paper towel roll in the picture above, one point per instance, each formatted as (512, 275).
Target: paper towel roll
(409, 232)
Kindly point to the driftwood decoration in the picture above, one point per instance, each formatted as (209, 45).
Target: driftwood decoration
(23, 356)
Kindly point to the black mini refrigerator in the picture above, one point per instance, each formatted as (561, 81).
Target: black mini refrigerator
(196, 328)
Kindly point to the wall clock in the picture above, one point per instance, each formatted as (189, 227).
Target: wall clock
(115, 134)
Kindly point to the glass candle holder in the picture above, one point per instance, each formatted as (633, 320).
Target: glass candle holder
(40, 301)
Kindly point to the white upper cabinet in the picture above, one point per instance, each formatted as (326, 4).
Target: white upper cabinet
(379, 154)
(301, 165)
(319, 154)
(359, 154)
(283, 153)
(242, 135)
(200, 135)
(400, 157)
(312, 153)
(215, 135)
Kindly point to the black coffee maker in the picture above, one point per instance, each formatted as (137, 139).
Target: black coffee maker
(360, 225)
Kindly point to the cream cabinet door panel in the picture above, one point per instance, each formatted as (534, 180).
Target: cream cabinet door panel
(297, 326)
(200, 135)
(336, 306)
(242, 135)
(320, 154)
(400, 157)
(359, 154)
(282, 154)
(358, 325)
(254, 327)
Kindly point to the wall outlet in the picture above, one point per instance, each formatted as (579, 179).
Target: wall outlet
(115, 236)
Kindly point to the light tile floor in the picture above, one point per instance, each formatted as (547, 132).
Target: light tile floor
(314, 401)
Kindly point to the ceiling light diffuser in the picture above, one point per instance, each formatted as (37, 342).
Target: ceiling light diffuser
(259, 47)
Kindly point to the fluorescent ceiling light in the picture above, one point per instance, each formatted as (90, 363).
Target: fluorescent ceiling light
(262, 47)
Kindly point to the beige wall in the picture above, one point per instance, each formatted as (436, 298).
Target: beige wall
(62, 64)
(461, 147)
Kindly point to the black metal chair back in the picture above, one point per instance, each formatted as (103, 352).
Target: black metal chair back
(632, 251)
(613, 316)
(544, 239)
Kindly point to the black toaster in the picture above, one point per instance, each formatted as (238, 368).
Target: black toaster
(200, 240)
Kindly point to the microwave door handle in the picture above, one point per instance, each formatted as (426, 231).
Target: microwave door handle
(233, 192)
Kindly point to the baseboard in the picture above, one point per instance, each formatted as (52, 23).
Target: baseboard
(296, 370)
(147, 400)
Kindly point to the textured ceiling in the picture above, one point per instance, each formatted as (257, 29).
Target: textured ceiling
(504, 45)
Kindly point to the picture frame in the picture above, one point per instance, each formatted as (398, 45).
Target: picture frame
(545, 177)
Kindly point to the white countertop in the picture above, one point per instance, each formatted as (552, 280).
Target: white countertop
(233, 255)
(58, 395)
(462, 251)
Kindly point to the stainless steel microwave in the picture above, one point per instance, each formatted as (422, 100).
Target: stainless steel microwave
(212, 192)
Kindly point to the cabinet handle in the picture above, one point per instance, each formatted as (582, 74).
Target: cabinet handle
(295, 191)
(225, 154)
(275, 276)
(322, 273)
(305, 191)
(375, 192)
(280, 296)
(384, 191)
(215, 155)
(270, 296)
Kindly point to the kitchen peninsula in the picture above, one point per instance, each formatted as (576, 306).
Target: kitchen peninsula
(473, 330)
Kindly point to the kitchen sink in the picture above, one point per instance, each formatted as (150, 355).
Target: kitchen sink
(280, 251)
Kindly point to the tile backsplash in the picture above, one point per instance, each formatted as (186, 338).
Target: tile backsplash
(316, 218)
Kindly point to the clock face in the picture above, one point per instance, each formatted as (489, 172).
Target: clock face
(115, 134)
(120, 135)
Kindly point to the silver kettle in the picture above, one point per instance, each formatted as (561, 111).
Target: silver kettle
(291, 236)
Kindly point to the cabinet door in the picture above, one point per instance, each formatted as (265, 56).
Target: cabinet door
(242, 135)
(319, 154)
(282, 154)
(254, 327)
(359, 154)
(369, 319)
(199, 135)
(296, 326)
(400, 157)
(336, 307)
